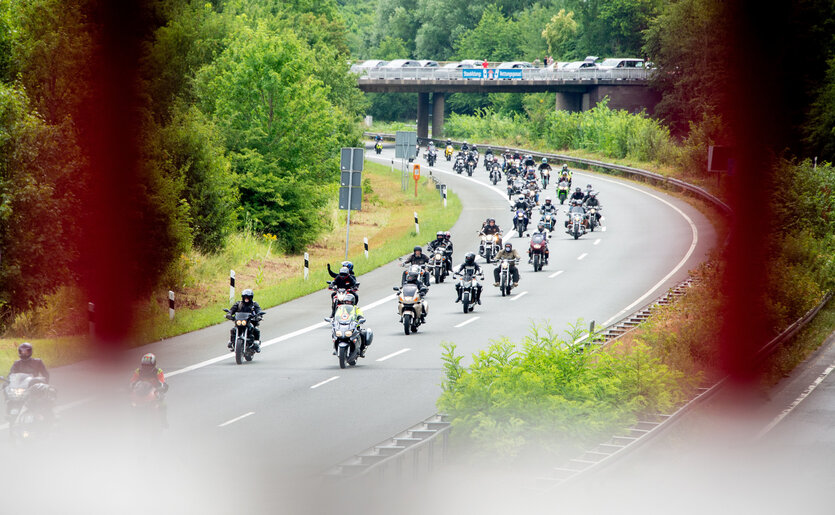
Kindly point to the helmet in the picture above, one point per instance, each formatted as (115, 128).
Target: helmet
(588, 186)
(469, 258)
(344, 271)
(545, 160)
(24, 350)
(491, 221)
(148, 360)
(439, 235)
(521, 198)
(417, 249)
(247, 295)
(447, 235)
(507, 151)
(547, 200)
(578, 190)
(350, 299)
(564, 166)
(540, 226)
(411, 276)
(348, 265)
(508, 247)
(592, 194)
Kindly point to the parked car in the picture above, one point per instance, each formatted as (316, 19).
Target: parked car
(579, 66)
(621, 63)
(367, 65)
(424, 63)
(514, 64)
(403, 63)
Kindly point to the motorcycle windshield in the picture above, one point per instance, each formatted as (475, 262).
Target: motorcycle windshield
(537, 239)
(345, 313)
(410, 290)
(241, 316)
(20, 381)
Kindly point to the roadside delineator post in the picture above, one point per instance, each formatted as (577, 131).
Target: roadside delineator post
(417, 226)
(231, 286)
(170, 305)
(443, 192)
(306, 266)
(365, 244)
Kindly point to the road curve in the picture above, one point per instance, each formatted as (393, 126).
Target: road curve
(292, 412)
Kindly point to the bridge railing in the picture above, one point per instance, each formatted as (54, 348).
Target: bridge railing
(535, 74)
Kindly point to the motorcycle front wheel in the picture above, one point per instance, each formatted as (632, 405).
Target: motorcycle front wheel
(407, 323)
(343, 356)
(239, 350)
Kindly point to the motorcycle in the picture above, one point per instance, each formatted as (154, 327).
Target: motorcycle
(515, 187)
(576, 224)
(378, 147)
(592, 214)
(348, 335)
(538, 247)
(562, 191)
(471, 165)
(459, 164)
(431, 156)
(520, 221)
(340, 297)
(437, 265)
(244, 324)
(488, 161)
(421, 272)
(546, 178)
(505, 276)
(495, 172)
(448, 152)
(146, 403)
(548, 220)
(411, 307)
(29, 402)
(489, 246)
(469, 287)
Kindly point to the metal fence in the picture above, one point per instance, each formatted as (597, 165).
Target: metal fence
(536, 74)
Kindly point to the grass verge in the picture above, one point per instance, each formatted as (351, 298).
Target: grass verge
(386, 220)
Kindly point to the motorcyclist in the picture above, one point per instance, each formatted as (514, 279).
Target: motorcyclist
(345, 280)
(508, 252)
(378, 139)
(544, 165)
(417, 258)
(448, 239)
(541, 231)
(576, 207)
(490, 227)
(347, 264)
(440, 240)
(488, 152)
(548, 207)
(247, 304)
(578, 195)
(529, 161)
(521, 203)
(587, 192)
(27, 364)
(469, 262)
(592, 201)
(530, 175)
(465, 147)
(148, 371)
(412, 278)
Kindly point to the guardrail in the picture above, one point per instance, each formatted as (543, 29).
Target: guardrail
(645, 175)
(535, 74)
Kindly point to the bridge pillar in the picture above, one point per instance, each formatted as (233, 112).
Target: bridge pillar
(569, 101)
(438, 101)
(423, 115)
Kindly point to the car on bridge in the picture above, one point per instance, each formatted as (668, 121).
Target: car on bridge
(514, 64)
(621, 63)
(369, 64)
(425, 63)
(402, 63)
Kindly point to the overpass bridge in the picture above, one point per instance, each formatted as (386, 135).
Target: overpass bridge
(576, 90)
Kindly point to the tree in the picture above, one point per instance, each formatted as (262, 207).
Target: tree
(280, 129)
(820, 129)
(559, 33)
(495, 38)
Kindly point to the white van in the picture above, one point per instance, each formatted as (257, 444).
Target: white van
(621, 63)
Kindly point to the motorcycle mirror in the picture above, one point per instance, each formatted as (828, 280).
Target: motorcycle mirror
(396, 288)
(328, 319)
(224, 309)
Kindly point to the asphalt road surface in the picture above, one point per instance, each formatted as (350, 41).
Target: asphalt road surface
(241, 433)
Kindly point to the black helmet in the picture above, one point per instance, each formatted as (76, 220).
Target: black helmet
(439, 235)
(148, 361)
(469, 258)
(344, 271)
(24, 350)
(247, 295)
(578, 190)
(588, 186)
(411, 276)
(540, 226)
(491, 221)
(417, 249)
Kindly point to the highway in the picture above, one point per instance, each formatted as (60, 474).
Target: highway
(244, 437)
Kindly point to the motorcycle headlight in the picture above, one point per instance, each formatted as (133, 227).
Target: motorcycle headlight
(18, 391)
(537, 247)
(348, 333)
(339, 333)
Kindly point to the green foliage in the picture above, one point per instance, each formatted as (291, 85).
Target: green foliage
(547, 392)
(559, 33)
(495, 38)
(39, 181)
(820, 129)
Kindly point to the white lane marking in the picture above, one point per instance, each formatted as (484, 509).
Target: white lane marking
(468, 321)
(558, 272)
(393, 354)
(519, 295)
(582, 256)
(236, 419)
(273, 341)
(694, 230)
(326, 381)
(808, 391)
(596, 241)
